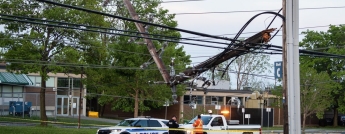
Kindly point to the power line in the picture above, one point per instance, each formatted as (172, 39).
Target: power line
(258, 31)
(112, 49)
(147, 23)
(248, 11)
(151, 38)
(108, 29)
(91, 30)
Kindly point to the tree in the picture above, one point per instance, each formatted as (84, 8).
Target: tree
(316, 88)
(130, 82)
(32, 48)
(247, 65)
(246, 69)
(328, 42)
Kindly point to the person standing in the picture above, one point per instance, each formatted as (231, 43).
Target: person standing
(198, 126)
(172, 124)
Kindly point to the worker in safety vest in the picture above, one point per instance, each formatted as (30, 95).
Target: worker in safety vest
(198, 126)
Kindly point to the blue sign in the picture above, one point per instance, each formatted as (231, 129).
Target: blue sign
(278, 70)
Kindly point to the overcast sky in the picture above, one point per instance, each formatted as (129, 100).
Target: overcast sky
(231, 23)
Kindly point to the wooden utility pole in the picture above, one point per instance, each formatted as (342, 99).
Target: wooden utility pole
(285, 100)
(149, 43)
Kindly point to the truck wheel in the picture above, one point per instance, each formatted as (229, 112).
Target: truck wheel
(204, 132)
(165, 133)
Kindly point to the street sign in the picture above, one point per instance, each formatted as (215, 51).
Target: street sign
(166, 103)
(278, 69)
(247, 115)
(217, 107)
(268, 109)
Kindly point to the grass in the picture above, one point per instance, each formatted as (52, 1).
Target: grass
(50, 130)
(309, 127)
(59, 120)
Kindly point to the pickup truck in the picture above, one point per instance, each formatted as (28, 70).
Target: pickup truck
(217, 124)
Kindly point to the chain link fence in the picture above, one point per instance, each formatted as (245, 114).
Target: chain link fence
(28, 104)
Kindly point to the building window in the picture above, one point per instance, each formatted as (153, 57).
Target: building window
(76, 83)
(65, 82)
(62, 82)
(11, 91)
(214, 100)
(37, 81)
(198, 99)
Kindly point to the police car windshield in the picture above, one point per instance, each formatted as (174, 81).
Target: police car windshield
(127, 123)
(205, 119)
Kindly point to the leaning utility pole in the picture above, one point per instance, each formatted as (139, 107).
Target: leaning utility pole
(285, 104)
(149, 43)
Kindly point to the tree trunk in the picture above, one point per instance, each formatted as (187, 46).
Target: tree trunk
(43, 114)
(335, 117)
(136, 103)
(304, 119)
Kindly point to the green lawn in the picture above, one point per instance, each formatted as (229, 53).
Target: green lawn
(326, 127)
(50, 130)
(59, 120)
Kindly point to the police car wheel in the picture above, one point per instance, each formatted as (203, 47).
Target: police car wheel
(165, 133)
(125, 133)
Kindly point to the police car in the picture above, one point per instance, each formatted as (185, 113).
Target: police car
(140, 125)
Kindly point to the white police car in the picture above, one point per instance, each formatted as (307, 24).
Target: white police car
(140, 125)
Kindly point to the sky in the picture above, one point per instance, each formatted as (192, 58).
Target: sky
(231, 23)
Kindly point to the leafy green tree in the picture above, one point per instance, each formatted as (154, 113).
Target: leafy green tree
(330, 41)
(33, 48)
(315, 89)
(130, 82)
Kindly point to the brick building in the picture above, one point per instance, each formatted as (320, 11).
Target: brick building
(62, 92)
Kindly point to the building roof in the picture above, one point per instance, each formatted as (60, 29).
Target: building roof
(14, 79)
(222, 84)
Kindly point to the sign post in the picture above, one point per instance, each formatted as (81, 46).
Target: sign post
(268, 110)
(248, 117)
(278, 69)
(217, 107)
(193, 105)
(166, 104)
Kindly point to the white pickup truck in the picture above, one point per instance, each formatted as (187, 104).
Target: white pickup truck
(217, 124)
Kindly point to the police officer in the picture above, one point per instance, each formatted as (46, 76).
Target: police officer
(173, 124)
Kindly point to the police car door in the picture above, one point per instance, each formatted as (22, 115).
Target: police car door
(217, 126)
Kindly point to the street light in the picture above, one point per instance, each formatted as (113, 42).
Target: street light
(243, 115)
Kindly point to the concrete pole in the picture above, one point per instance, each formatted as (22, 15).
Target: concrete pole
(296, 68)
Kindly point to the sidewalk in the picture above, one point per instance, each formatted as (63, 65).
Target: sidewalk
(94, 119)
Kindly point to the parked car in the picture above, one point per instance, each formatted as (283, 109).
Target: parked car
(136, 126)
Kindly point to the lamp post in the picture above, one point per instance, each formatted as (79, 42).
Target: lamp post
(243, 115)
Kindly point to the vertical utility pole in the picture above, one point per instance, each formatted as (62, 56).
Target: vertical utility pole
(81, 88)
(293, 66)
(285, 104)
(149, 43)
(296, 69)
